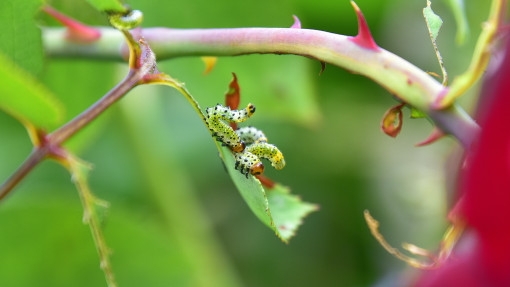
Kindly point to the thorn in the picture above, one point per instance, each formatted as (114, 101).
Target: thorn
(364, 37)
(323, 67)
(297, 23)
(76, 31)
(434, 136)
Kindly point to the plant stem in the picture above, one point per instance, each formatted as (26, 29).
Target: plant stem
(59, 136)
(404, 80)
(69, 129)
(30, 162)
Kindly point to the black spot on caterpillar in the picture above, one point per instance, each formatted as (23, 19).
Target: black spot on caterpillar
(224, 133)
(251, 135)
(257, 147)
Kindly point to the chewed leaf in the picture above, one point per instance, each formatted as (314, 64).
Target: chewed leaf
(25, 98)
(459, 13)
(276, 208)
(108, 5)
(434, 22)
(233, 95)
(392, 121)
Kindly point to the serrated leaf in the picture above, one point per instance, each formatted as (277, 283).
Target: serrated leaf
(276, 208)
(459, 13)
(108, 5)
(417, 114)
(25, 98)
(434, 22)
(21, 37)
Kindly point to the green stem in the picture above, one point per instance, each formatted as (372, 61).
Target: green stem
(404, 80)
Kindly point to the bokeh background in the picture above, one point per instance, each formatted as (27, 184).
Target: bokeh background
(176, 219)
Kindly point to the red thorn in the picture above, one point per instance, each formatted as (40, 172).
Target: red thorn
(297, 23)
(323, 67)
(364, 37)
(76, 31)
(434, 136)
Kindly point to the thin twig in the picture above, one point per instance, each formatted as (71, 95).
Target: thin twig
(30, 162)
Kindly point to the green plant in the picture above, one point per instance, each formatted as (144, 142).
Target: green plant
(273, 205)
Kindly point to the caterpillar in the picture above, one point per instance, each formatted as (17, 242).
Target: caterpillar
(248, 161)
(215, 118)
(251, 135)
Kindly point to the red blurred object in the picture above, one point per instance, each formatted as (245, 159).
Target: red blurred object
(485, 190)
(76, 31)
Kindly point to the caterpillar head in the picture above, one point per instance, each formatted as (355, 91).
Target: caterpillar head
(239, 147)
(279, 164)
(257, 169)
(251, 109)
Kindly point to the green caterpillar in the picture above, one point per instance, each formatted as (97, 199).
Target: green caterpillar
(248, 161)
(215, 118)
(248, 144)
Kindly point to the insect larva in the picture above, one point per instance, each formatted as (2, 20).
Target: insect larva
(215, 118)
(248, 161)
(251, 135)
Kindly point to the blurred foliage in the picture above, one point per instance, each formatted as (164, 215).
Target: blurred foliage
(175, 217)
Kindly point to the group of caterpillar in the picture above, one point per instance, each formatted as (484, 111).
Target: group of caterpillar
(248, 143)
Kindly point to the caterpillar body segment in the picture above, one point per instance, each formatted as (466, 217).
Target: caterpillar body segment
(269, 152)
(248, 163)
(251, 135)
(215, 118)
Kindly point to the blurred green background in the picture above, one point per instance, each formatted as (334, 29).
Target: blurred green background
(176, 218)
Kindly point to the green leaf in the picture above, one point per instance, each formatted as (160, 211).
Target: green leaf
(21, 38)
(25, 98)
(434, 22)
(417, 114)
(108, 5)
(276, 208)
(459, 13)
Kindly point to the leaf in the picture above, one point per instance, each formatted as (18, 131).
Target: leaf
(108, 5)
(392, 121)
(233, 95)
(276, 208)
(434, 22)
(21, 38)
(25, 98)
(209, 62)
(459, 13)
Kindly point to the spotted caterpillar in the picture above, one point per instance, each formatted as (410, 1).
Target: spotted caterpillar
(215, 118)
(248, 144)
(248, 161)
